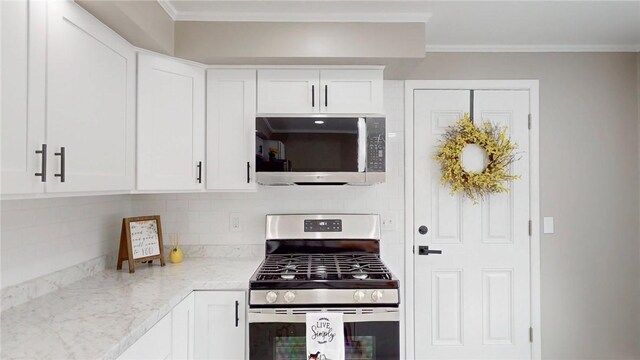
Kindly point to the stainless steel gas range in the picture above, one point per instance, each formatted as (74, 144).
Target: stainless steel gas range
(328, 263)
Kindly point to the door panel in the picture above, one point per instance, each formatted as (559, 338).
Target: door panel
(231, 113)
(22, 130)
(351, 91)
(170, 124)
(218, 334)
(182, 329)
(472, 301)
(90, 101)
(284, 91)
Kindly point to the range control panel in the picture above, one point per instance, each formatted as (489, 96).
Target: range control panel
(327, 225)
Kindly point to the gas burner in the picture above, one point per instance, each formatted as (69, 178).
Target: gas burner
(360, 276)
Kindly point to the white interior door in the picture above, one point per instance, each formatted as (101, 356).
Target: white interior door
(473, 300)
(171, 124)
(90, 102)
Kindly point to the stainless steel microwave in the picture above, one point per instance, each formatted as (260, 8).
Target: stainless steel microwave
(320, 150)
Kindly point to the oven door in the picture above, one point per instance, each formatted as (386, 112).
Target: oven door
(280, 334)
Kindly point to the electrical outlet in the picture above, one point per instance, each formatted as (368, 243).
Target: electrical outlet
(235, 223)
(389, 221)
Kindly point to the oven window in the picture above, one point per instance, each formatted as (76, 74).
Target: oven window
(309, 144)
(286, 341)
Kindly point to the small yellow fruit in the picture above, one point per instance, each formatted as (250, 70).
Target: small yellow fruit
(175, 255)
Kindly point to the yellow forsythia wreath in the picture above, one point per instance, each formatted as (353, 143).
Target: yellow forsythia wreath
(500, 153)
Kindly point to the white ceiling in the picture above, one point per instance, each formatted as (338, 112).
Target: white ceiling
(452, 25)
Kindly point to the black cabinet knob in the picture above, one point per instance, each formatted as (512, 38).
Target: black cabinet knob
(423, 230)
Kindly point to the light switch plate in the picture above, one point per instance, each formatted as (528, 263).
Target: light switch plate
(547, 225)
(389, 221)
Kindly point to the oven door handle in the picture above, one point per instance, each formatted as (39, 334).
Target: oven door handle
(255, 316)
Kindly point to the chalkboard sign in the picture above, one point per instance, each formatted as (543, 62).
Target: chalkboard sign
(140, 241)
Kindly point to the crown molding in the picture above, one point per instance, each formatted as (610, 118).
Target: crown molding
(533, 48)
(169, 9)
(399, 17)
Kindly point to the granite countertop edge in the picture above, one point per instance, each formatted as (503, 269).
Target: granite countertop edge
(101, 316)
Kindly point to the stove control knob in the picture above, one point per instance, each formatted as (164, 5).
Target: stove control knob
(376, 295)
(271, 297)
(289, 296)
(358, 296)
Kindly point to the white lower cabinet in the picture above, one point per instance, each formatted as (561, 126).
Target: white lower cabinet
(183, 329)
(154, 344)
(170, 338)
(220, 325)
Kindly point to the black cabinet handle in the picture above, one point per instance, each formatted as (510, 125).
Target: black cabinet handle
(424, 250)
(248, 172)
(326, 92)
(43, 168)
(199, 178)
(237, 313)
(313, 96)
(62, 174)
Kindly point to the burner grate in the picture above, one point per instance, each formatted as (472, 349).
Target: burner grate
(323, 267)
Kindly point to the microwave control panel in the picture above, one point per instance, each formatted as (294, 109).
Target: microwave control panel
(376, 147)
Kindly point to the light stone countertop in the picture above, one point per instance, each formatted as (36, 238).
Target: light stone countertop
(100, 316)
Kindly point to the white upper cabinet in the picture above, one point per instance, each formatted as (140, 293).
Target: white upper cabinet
(330, 91)
(220, 325)
(288, 91)
(22, 130)
(351, 91)
(231, 114)
(171, 124)
(90, 103)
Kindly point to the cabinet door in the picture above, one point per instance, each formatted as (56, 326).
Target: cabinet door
(220, 325)
(154, 344)
(286, 91)
(231, 114)
(170, 124)
(22, 130)
(182, 317)
(351, 91)
(90, 102)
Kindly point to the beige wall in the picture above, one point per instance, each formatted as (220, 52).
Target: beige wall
(143, 23)
(589, 162)
(208, 42)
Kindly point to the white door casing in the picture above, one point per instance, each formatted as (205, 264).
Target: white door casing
(458, 281)
(231, 114)
(171, 124)
(90, 105)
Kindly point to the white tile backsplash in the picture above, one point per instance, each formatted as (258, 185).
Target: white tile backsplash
(42, 236)
(203, 218)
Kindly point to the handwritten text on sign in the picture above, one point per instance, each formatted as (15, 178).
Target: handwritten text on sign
(144, 238)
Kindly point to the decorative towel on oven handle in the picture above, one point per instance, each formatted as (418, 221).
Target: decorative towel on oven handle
(325, 336)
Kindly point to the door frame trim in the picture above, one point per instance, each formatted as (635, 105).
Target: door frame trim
(534, 194)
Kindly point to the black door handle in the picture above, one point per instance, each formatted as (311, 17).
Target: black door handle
(248, 172)
(199, 178)
(424, 250)
(423, 230)
(62, 174)
(43, 171)
(313, 96)
(237, 313)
